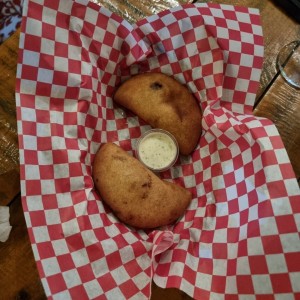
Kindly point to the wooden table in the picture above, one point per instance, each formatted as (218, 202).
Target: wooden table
(276, 100)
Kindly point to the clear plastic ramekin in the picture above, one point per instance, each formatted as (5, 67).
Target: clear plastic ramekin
(157, 149)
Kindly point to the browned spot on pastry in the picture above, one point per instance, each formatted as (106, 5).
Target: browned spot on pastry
(132, 186)
(156, 85)
(146, 187)
(130, 217)
(147, 183)
(118, 157)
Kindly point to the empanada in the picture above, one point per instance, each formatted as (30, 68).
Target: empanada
(136, 195)
(164, 103)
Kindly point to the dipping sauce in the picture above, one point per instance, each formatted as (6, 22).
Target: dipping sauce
(157, 149)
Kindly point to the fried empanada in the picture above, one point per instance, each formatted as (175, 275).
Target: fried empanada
(164, 103)
(136, 195)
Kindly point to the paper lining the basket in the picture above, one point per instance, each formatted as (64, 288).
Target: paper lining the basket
(238, 236)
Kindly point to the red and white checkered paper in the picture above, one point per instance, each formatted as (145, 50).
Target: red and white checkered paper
(239, 238)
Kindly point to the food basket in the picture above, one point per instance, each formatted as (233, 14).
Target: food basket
(239, 236)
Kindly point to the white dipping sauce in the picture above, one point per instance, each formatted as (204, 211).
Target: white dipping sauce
(158, 150)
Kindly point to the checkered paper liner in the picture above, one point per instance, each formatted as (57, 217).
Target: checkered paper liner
(239, 238)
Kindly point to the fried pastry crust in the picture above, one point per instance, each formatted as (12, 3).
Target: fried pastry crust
(164, 103)
(137, 196)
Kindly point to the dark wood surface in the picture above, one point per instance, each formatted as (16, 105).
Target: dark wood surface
(276, 100)
(9, 153)
(281, 104)
(19, 277)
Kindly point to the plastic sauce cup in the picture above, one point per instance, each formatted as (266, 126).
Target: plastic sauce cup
(157, 149)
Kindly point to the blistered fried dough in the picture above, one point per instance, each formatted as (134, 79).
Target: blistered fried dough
(164, 103)
(136, 196)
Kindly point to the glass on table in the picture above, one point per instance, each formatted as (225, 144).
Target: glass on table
(288, 63)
